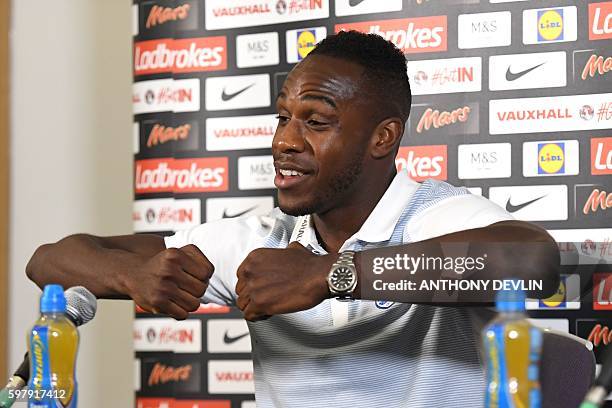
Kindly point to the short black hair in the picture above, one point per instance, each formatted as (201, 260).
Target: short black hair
(384, 67)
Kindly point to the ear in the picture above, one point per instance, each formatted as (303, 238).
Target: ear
(385, 137)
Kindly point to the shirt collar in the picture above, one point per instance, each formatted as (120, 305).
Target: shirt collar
(378, 226)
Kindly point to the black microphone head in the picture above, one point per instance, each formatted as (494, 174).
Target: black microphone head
(81, 305)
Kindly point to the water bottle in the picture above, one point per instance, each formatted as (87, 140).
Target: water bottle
(53, 343)
(513, 348)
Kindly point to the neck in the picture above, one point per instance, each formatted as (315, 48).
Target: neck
(335, 226)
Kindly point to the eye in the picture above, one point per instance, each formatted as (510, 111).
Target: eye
(282, 119)
(315, 123)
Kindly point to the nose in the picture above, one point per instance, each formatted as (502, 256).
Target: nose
(288, 138)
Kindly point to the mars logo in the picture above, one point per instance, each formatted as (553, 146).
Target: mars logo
(600, 21)
(161, 15)
(161, 134)
(306, 41)
(423, 162)
(597, 332)
(551, 158)
(596, 65)
(598, 199)
(161, 374)
(422, 34)
(601, 155)
(550, 25)
(600, 336)
(438, 119)
(602, 291)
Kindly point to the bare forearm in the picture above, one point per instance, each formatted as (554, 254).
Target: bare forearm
(88, 261)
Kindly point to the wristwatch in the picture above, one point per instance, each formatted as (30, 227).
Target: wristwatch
(342, 277)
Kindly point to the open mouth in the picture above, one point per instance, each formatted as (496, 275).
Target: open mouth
(288, 177)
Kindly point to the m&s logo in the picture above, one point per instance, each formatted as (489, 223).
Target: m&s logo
(550, 25)
(551, 158)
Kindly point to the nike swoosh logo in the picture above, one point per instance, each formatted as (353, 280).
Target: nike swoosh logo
(226, 215)
(514, 208)
(512, 76)
(226, 97)
(354, 3)
(229, 340)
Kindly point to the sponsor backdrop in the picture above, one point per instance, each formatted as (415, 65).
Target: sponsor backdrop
(512, 99)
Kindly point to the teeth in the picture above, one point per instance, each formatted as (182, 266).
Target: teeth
(290, 173)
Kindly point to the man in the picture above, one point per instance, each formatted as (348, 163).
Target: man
(341, 112)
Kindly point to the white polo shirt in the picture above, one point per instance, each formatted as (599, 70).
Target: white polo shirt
(361, 353)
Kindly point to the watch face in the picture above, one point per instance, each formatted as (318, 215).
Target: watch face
(342, 279)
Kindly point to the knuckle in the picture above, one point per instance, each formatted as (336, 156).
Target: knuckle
(171, 253)
(194, 305)
(182, 315)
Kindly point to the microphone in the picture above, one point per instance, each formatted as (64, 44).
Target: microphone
(81, 306)
(596, 396)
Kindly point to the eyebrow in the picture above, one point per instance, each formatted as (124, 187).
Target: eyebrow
(320, 98)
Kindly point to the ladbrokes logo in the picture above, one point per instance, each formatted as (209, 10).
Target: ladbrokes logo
(187, 55)
(602, 291)
(601, 155)
(181, 175)
(411, 35)
(182, 403)
(423, 162)
(600, 21)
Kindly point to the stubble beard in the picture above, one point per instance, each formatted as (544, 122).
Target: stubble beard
(333, 192)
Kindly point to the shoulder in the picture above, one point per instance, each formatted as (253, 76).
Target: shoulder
(439, 208)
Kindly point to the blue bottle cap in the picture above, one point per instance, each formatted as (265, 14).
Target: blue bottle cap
(53, 299)
(510, 300)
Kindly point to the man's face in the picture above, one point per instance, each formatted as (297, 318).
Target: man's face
(321, 142)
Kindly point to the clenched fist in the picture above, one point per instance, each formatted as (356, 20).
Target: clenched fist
(171, 282)
(276, 281)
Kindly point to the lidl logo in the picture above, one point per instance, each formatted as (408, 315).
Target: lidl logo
(302, 41)
(551, 158)
(306, 41)
(567, 296)
(550, 25)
